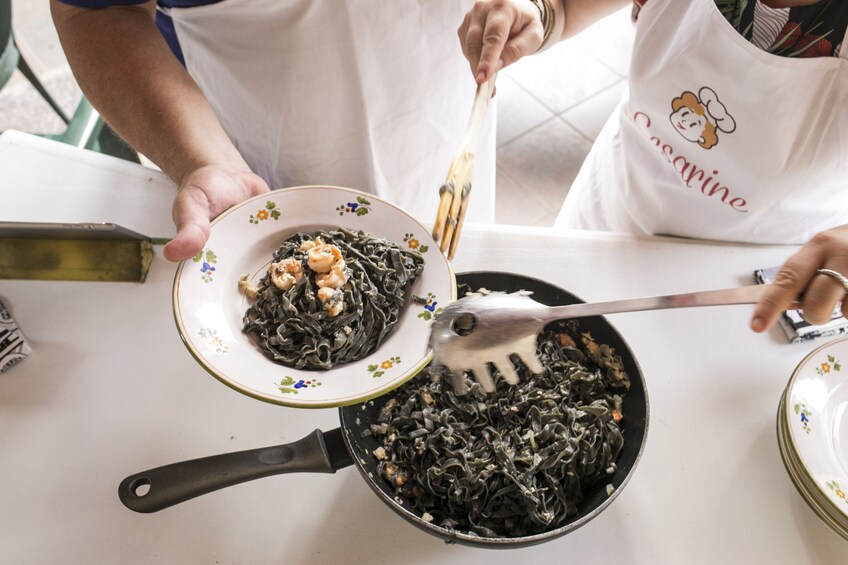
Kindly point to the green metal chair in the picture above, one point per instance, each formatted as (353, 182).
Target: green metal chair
(84, 128)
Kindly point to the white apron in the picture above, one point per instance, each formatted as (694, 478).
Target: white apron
(369, 94)
(717, 139)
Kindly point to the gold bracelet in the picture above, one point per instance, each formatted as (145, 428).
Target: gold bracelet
(548, 17)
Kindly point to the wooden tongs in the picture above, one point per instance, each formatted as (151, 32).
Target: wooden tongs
(454, 194)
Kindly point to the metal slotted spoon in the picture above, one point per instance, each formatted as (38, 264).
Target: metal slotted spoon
(479, 329)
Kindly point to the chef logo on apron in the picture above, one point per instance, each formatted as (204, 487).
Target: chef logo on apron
(699, 118)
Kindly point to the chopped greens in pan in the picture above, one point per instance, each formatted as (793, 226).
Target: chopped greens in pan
(516, 462)
(329, 297)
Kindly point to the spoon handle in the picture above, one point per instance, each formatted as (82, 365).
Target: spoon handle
(739, 295)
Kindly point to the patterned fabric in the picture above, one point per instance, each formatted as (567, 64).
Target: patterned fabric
(768, 23)
(803, 31)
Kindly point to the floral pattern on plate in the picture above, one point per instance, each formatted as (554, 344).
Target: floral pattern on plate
(837, 490)
(207, 260)
(360, 207)
(210, 336)
(816, 413)
(269, 211)
(803, 415)
(414, 243)
(380, 369)
(289, 385)
(431, 307)
(831, 363)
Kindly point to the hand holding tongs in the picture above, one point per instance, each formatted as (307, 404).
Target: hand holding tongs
(455, 192)
(479, 329)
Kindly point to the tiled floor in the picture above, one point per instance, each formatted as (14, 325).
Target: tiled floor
(550, 106)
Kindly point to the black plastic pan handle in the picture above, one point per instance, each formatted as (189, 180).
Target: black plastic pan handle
(159, 488)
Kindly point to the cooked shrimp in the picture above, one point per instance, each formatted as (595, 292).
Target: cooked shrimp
(332, 300)
(336, 278)
(334, 308)
(322, 257)
(307, 245)
(326, 294)
(285, 273)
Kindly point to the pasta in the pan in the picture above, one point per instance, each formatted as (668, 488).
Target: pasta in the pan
(515, 462)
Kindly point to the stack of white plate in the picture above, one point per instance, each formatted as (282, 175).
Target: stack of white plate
(812, 432)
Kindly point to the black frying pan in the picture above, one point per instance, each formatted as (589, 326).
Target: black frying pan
(326, 452)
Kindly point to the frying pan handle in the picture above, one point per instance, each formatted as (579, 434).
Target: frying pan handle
(178, 482)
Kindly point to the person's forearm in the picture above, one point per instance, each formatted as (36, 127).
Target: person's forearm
(573, 16)
(128, 73)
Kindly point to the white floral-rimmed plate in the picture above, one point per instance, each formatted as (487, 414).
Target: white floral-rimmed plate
(816, 414)
(209, 307)
(808, 491)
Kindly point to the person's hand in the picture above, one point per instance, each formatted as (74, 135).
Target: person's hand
(205, 193)
(797, 277)
(497, 33)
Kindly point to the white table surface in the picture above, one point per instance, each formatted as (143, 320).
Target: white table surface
(110, 390)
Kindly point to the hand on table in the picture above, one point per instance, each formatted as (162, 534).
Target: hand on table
(798, 277)
(205, 193)
(497, 33)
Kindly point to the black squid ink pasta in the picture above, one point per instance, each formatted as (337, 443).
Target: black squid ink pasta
(515, 462)
(295, 328)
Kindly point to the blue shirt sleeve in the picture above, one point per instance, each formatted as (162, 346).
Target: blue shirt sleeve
(98, 4)
(163, 20)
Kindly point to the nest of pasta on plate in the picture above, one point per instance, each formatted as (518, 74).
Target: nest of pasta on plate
(330, 297)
